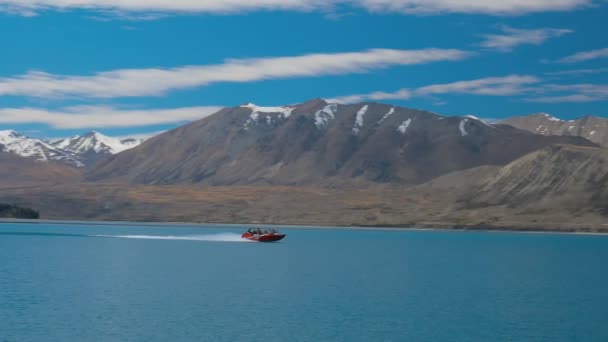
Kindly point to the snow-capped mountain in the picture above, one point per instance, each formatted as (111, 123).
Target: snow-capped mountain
(21, 145)
(88, 148)
(95, 142)
(79, 151)
(319, 143)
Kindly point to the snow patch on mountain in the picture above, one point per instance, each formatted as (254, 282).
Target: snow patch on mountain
(473, 117)
(284, 112)
(550, 117)
(257, 112)
(390, 112)
(462, 127)
(359, 119)
(323, 116)
(404, 126)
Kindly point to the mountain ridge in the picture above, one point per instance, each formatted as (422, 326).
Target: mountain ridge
(319, 143)
(589, 127)
(80, 151)
(94, 146)
(23, 146)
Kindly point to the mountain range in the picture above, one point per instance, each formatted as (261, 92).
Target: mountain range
(327, 163)
(78, 151)
(94, 146)
(23, 146)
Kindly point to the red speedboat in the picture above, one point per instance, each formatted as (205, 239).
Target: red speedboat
(262, 236)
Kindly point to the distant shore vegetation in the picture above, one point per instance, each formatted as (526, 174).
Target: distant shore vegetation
(13, 211)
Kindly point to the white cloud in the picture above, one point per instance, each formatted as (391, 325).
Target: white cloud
(512, 37)
(401, 94)
(426, 7)
(563, 98)
(174, 6)
(512, 85)
(577, 72)
(102, 116)
(492, 7)
(157, 81)
(585, 56)
(559, 93)
(494, 86)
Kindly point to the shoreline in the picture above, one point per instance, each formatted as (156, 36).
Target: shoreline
(423, 227)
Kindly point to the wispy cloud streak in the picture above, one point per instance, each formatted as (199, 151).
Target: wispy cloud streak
(512, 37)
(577, 72)
(425, 7)
(401, 94)
(584, 56)
(561, 93)
(102, 116)
(492, 86)
(495, 86)
(524, 87)
(157, 81)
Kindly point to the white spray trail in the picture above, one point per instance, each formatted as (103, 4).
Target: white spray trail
(221, 237)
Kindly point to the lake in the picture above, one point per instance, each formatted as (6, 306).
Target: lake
(161, 283)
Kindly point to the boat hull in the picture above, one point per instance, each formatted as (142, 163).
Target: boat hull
(263, 237)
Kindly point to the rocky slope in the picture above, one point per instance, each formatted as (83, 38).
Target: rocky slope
(589, 127)
(16, 170)
(560, 176)
(559, 187)
(319, 143)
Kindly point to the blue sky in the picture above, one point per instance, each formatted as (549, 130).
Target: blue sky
(128, 67)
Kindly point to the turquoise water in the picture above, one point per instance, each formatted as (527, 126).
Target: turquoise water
(84, 283)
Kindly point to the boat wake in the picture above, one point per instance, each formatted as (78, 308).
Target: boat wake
(221, 237)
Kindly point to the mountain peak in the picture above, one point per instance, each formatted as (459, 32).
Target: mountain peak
(312, 105)
(314, 102)
(472, 117)
(90, 134)
(546, 116)
(89, 147)
(9, 132)
(96, 142)
(21, 145)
